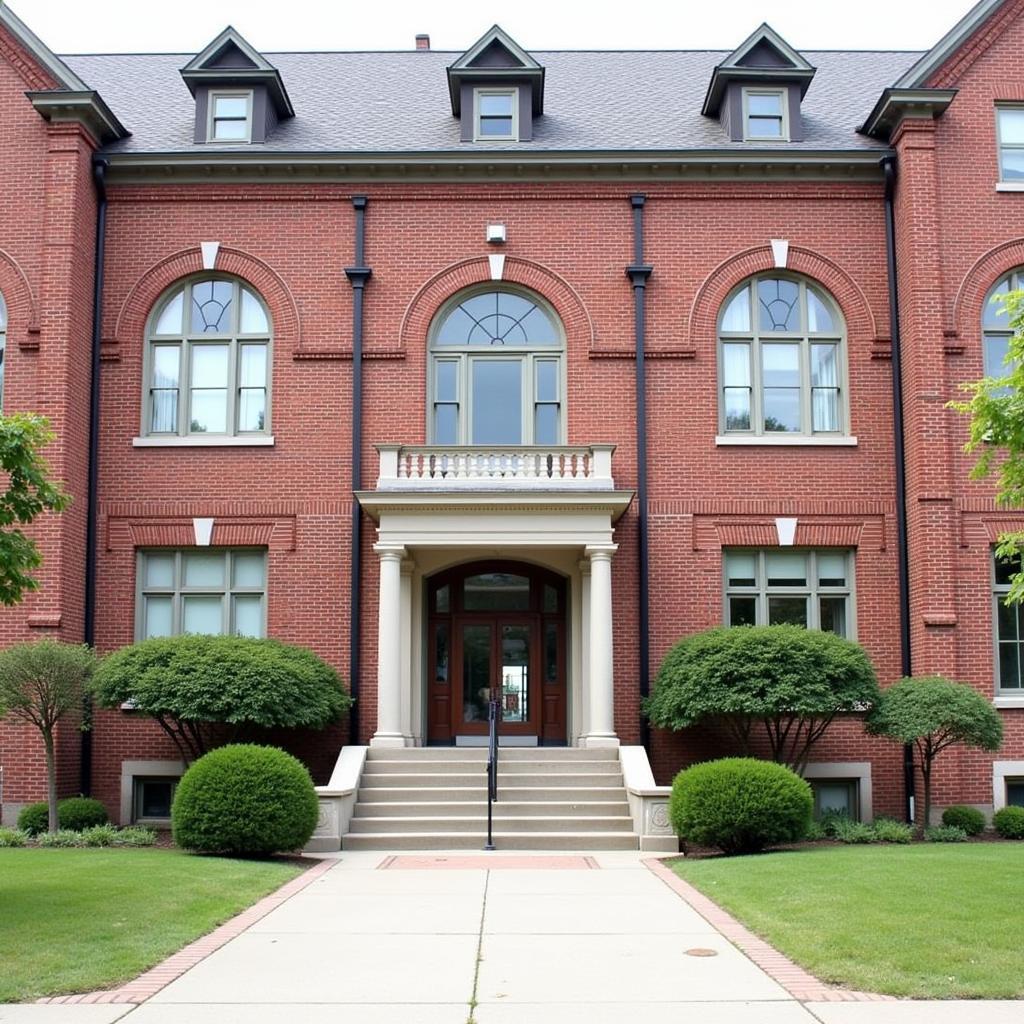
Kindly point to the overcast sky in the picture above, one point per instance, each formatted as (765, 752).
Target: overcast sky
(98, 26)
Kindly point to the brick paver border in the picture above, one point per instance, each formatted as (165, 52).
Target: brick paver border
(158, 977)
(794, 979)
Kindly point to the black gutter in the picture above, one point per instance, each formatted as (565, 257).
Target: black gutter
(99, 170)
(358, 275)
(906, 659)
(638, 272)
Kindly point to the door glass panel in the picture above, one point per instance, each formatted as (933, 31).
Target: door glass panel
(476, 672)
(545, 425)
(551, 653)
(497, 401)
(550, 598)
(442, 599)
(515, 673)
(441, 652)
(496, 592)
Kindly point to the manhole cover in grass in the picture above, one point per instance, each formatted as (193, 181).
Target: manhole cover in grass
(700, 951)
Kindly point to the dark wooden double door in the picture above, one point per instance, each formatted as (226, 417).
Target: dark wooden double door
(496, 629)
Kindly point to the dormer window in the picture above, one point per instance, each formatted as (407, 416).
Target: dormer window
(764, 115)
(496, 114)
(230, 117)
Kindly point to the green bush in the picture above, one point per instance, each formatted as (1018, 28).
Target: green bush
(815, 832)
(11, 837)
(62, 837)
(832, 820)
(99, 835)
(849, 831)
(970, 819)
(740, 805)
(134, 835)
(244, 799)
(74, 814)
(1009, 822)
(945, 834)
(889, 830)
(33, 818)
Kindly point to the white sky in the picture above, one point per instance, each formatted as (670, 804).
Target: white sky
(104, 26)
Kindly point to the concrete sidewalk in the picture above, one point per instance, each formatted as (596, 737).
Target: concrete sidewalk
(496, 945)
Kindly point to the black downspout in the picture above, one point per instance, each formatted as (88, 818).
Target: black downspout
(638, 272)
(358, 275)
(906, 661)
(99, 169)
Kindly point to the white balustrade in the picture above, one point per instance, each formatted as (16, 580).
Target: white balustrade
(443, 467)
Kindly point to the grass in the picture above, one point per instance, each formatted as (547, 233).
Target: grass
(80, 920)
(926, 921)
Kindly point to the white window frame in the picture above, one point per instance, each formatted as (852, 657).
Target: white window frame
(812, 591)
(511, 91)
(1013, 280)
(756, 339)
(212, 119)
(1010, 696)
(1010, 183)
(783, 95)
(465, 355)
(177, 590)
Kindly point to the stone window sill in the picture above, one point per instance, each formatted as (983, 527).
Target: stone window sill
(787, 441)
(1009, 701)
(205, 441)
(1010, 186)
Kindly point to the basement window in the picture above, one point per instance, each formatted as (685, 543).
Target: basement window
(836, 796)
(152, 799)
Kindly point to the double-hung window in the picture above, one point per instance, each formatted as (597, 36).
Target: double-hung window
(201, 590)
(996, 330)
(3, 347)
(208, 362)
(789, 586)
(1010, 135)
(765, 117)
(782, 361)
(496, 114)
(230, 117)
(1009, 629)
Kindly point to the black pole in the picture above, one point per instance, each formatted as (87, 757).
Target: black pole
(99, 170)
(638, 272)
(906, 659)
(358, 275)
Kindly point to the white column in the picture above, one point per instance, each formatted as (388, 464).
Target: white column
(405, 675)
(389, 641)
(601, 728)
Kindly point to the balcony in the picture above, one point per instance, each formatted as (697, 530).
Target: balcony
(488, 468)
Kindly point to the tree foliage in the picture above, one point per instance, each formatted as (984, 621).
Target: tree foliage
(41, 683)
(190, 684)
(29, 492)
(932, 713)
(783, 682)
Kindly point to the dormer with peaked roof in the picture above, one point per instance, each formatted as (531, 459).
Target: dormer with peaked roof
(239, 94)
(756, 91)
(496, 89)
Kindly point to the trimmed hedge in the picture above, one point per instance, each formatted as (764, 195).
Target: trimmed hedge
(970, 819)
(245, 799)
(73, 814)
(1009, 822)
(740, 805)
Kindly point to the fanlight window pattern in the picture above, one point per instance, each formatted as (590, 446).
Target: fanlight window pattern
(995, 324)
(497, 371)
(209, 361)
(3, 346)
(782, 359)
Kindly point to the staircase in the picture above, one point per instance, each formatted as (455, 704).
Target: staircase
(435, 798)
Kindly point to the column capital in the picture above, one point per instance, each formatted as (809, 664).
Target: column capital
(390, 552)
(600, 552)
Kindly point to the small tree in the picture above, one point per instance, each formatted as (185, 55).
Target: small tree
(785, 682)
(28, 494)
(932, 713)
(201, 689)
(41, 683)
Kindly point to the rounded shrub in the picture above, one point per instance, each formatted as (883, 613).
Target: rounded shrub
(34, 818)
(740, 805)
(1009, 822)
(970, 819)
(244, 799)
(80, 812)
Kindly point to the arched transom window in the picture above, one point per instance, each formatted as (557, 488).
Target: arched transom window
(995, 323)
(3, 346)
(208, 361)
(782, 360)
(497, 371)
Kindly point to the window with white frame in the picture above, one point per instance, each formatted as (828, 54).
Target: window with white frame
(3, 347)
(1010, 137)
(791, 586)
(497, 371)
(782, 360)
(765, 117)
(208, 361)
(202, 590)
(1009, 628)
(230, 117)
(995, 325)
(496, 114)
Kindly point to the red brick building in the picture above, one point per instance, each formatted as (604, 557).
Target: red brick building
(509, 369)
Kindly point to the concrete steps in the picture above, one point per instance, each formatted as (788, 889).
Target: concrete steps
(435, 798)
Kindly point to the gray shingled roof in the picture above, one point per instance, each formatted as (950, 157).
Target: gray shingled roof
(398, 102)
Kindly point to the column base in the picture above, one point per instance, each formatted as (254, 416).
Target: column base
(388, 739)
(599, 741)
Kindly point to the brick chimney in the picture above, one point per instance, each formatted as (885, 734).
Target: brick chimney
(423, 42)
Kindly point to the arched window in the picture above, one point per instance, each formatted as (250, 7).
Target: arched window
(3, 346)
(995, 325)
(497, 370)
(208, 361)
(782, 359)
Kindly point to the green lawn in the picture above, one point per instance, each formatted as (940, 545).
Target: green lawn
(78, 920)
(927, 920)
